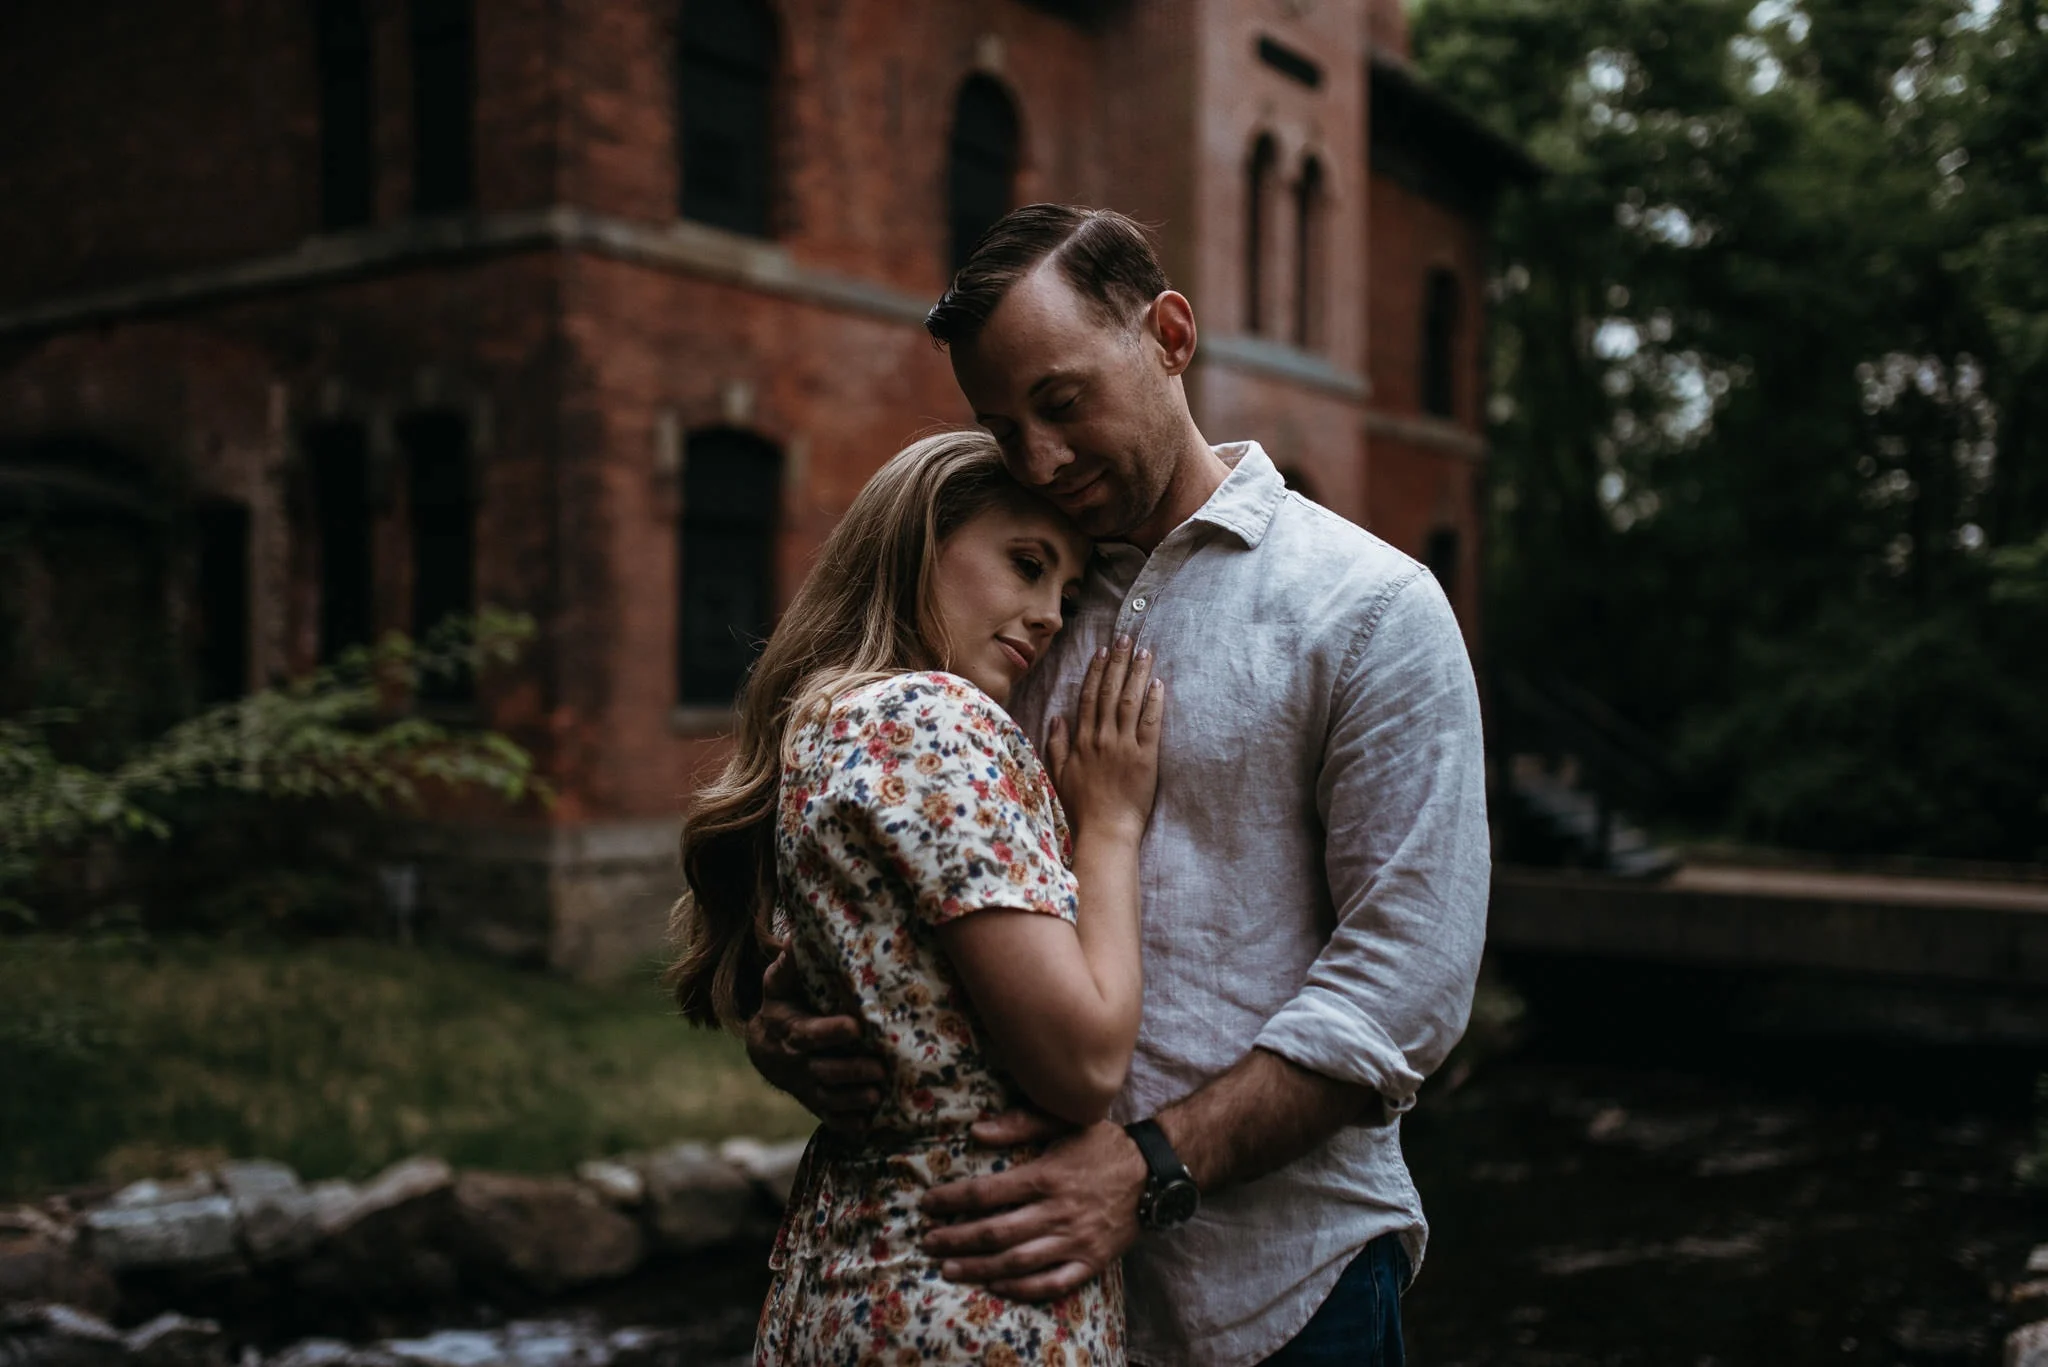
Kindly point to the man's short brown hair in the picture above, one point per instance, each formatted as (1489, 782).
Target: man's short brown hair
(1105, 256)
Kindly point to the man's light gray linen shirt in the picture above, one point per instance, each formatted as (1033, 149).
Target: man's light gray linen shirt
(1314, 878)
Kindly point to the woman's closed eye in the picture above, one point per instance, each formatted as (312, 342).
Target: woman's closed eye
(1030, 566)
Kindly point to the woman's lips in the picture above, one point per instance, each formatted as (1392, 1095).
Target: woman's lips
(1016, 656)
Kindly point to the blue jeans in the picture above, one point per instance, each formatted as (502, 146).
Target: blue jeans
(1360, 1324)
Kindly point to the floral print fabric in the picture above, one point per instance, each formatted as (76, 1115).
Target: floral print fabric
(905, 804)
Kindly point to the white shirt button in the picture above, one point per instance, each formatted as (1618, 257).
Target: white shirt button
(1137, 605)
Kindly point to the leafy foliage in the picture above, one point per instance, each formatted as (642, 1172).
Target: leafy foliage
(336, 737)
(1771, 353)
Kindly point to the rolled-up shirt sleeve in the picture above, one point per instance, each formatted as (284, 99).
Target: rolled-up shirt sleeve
(1402, 799)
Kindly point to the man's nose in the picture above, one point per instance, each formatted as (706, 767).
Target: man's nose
(1043, 454)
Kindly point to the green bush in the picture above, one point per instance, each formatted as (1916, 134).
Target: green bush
(261, 802)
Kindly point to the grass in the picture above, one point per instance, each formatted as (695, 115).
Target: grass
(127, 1059)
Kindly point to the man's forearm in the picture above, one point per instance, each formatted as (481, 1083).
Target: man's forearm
(1260, 1116)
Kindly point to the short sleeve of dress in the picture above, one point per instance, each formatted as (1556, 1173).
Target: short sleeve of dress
(936, 789)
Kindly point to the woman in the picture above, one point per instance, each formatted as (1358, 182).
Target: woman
(887, 813)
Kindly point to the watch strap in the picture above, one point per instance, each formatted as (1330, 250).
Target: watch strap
(1160, 1159)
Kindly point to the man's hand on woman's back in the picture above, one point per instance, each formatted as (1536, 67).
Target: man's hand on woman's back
(822, 1061)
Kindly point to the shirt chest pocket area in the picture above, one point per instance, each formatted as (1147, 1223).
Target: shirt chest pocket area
(1243, 723)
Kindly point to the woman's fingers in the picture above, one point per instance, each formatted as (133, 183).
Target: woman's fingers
(1132, 698)
(1110, 698)
(1154, 709)
(1091, 691)
(1056, 749)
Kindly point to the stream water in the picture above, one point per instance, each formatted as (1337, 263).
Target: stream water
(1715, 1201)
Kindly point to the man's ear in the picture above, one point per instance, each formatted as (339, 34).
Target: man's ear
(1170, 323)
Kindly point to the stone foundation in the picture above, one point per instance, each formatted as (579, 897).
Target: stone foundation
(590, 901)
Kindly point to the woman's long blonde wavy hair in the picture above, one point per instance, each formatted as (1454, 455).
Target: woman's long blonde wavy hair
(865, 612)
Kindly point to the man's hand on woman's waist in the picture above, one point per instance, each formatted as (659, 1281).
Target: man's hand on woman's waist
(822, 1061)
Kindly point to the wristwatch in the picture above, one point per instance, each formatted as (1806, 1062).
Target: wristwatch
(1170, 1198)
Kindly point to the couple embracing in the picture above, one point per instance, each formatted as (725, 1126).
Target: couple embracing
(1103, 857)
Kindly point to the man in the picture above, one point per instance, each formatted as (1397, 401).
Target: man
(1315, 876)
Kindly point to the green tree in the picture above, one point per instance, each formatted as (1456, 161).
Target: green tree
(1769, 354)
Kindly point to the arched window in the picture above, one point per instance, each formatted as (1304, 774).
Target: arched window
(443, 501)
(337, 455)
(1309, 281)
(1257, 205)
(981, 168)
(725, 70)
(732, 495)
(1440, 344)
(346, 181)
(443, 106)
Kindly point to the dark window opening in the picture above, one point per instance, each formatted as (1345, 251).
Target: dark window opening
(339, 456)
(1440, 345)
(1308, 266)
(1289, 63)
(443, 106)
(346, 178)
(981, 170)
(443, 534)
(724, 79)
(1258, 188)
(1440, 553)
(732, 493)
(222, 600)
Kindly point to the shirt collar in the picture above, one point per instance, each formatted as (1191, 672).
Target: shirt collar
(1245, 502)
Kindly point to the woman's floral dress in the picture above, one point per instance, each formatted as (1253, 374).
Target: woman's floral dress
(905, 804)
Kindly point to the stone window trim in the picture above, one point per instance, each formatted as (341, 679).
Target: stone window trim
(702, 721)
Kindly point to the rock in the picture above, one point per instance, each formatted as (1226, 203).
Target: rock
(36, 1266)
(619, 1183)
(773, 1166)
(404, 1183)
(331, 1353)
(46, 1335)
(551, 1233)
(187, 1235)
(391, 1238)
(67, 1322)
(697, 1201)
(2037, 1261)
(277, 1217)
(333, 1204)
(2027, 1346)
(152, 1191)
(172, 1340)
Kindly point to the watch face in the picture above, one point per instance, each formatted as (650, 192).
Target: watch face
(1175, 1204)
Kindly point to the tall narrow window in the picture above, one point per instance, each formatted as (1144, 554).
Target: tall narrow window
(346, 182)
(1440, 344)
(443, 106)
(338, 454)
(732, 490)
(443, 531)
(1309, 282)
(223, 600)
(981, 167)
(1257, 200)
(725, 73)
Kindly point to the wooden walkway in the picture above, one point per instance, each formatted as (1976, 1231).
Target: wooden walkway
(1908, 929)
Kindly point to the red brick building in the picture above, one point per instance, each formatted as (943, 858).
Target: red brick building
(327, 317)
